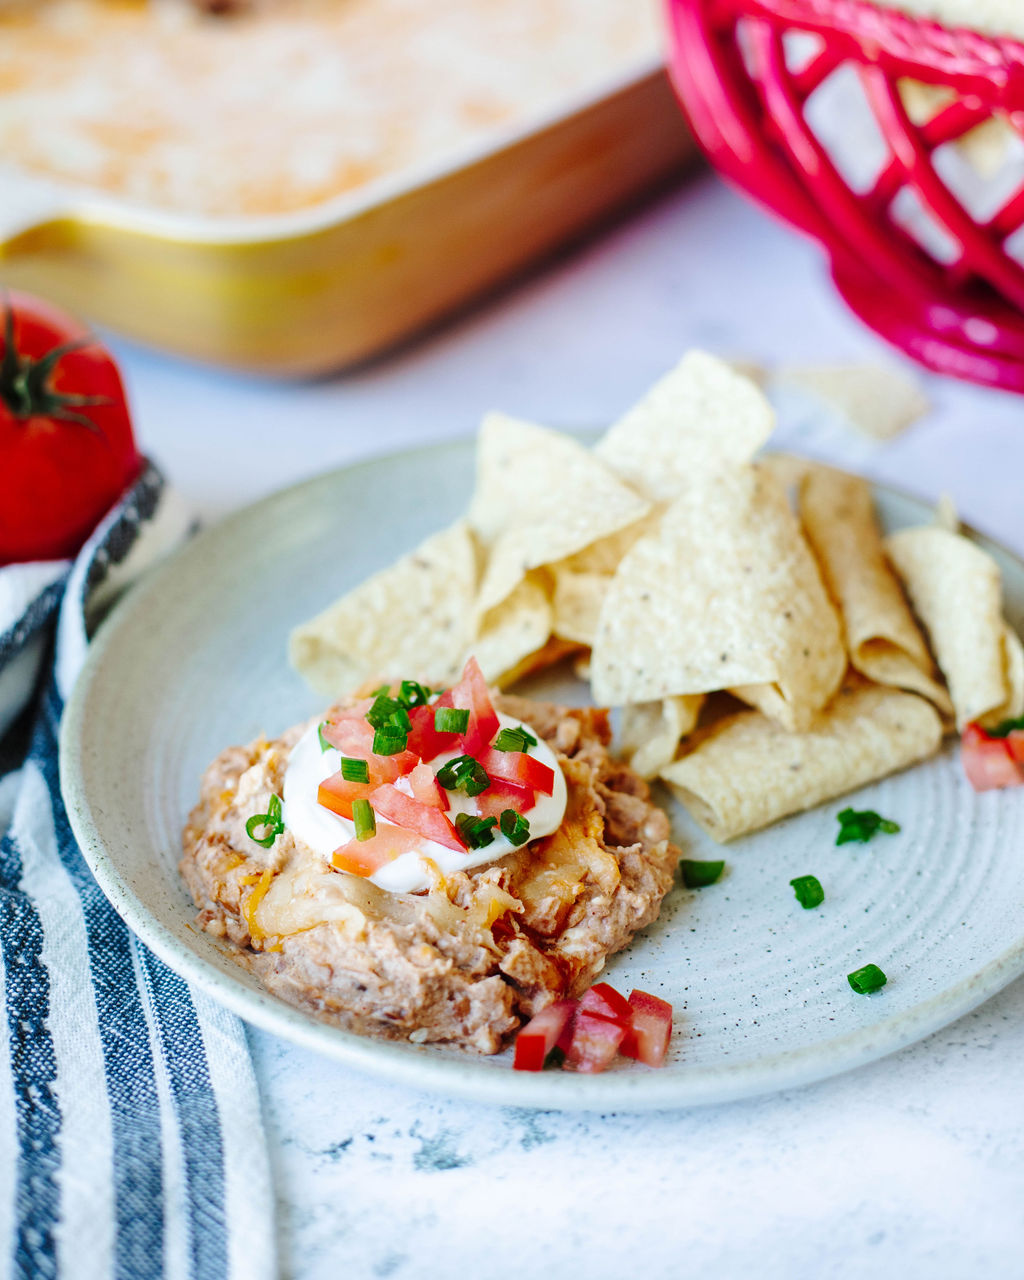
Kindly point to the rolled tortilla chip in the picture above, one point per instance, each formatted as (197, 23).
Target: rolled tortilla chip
(413, 618)
(726, 593)
(882, 638)
(956, 591)
(699, 416)
(746, 773)
(650, 732)
(540, 496)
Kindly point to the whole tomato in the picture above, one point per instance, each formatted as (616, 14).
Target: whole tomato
(66, 446)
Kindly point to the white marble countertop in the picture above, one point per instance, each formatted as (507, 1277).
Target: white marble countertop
(912, 1167)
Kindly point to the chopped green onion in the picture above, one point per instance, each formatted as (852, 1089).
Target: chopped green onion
(869, 978)
(514, 740)
(362, 816)
(389, 741)
(399, 720)
(1007, 727)
(382, 692)
(413, 694)
(862, 825)
(451, 719)
(355, 770)
(272, 823)
(464, 774)
(324, 744)
(475, 831)
(809, 892)
(697, 875)
(514, 827)
(382, 710)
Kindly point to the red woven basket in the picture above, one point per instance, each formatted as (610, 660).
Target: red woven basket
(911, 250)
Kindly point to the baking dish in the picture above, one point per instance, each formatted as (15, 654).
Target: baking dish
(303, 293)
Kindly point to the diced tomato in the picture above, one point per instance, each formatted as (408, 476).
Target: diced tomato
(605, 1000)
(595, 1042)
(520, 768)
(988, 762)
(500, 796)
(471, 694)
(1015, 744)
(364, 857)
(424, 739)
(536, 1040)
(426, 788)
(337, 795)
(350, 736)
(651, 1031)
(407, 811)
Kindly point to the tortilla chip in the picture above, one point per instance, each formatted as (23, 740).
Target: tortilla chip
(700, 415)
(547, 655)
(540, 496)
(745, 772)
(577, 604)
(956, 591)
(650, 732)
(412, 619)
(726, 593)
(877, 400)
(882, 638)
(519, 626)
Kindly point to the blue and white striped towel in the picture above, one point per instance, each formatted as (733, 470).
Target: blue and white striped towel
(128, 1102)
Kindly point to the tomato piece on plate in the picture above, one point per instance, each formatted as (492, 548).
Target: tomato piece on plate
(351, 735)
(988, 762)
(651, 1029)
(336, 794)
(500, 796)
(595, 1042)
(364, 857)
(471, 694)
(424, 740)
(604, 1000)
(1015, 744)
(540, 1035)
(407, 811)
(519, 768)
(426, 788)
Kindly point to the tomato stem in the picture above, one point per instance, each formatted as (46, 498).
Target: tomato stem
(25, 382)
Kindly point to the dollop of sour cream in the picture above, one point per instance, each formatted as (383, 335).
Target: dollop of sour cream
(324, 831)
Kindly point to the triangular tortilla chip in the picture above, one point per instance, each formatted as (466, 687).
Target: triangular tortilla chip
(510, 631)
(726, 593)
(540, 496)
(956, 591)
(413, 619)
(650, 732)
(700, 415)
(882, 638)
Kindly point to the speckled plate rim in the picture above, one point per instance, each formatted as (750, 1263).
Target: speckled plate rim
(490, 1081)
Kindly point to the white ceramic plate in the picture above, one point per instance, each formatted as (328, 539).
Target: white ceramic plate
(194, 660)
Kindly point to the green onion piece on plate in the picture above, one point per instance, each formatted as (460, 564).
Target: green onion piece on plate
(355, 770)
(861, 825)
(697, 875)
(867, 979)
(809, 892)
(362, 816)
(324, 744)
(1006, 728)
(514, 740)
(451, 719)
(382, 709)
(514, 827)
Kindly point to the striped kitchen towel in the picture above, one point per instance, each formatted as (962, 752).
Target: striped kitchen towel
(128, 1102)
